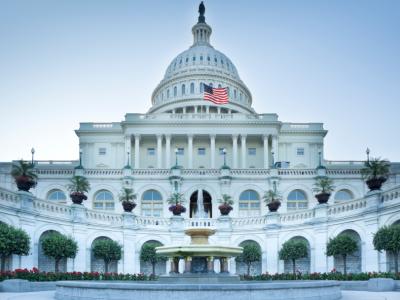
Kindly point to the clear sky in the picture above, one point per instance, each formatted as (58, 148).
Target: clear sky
(71, 61)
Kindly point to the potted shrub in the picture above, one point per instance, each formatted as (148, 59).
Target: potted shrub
(375, 172)
(323, 189)
(78, 186)
(226, 205)
(24, 176)
(176, 200)
(127, 198)
(271, 199)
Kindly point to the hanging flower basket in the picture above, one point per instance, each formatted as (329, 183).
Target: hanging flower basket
(77, 197)
(274, 205)
(225, 209)
(128, 206)
(177, 209)
(322, 197)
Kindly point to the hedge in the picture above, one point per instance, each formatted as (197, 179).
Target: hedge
(322, 276)
(36, 275)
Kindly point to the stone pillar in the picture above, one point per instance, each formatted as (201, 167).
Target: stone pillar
(272, 250)
(234, 151)
(275, 148)
(266, 152)
(243, 141)
(137, 151)
(320, 258)
(159, 151)
(174, 262)
(129, 252)
(167, 151)
(188, 264)
(128, 150)
(224, 265)
(79, 232)
(210, 264)
(218, 110)
(212, 150)
(190, 151)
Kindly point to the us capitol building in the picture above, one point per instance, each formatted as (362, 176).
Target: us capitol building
(182, 129)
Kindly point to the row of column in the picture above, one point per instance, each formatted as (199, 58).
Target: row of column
(243, 137)
(223, 261)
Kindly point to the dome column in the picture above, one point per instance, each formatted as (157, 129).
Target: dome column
(159, 151)
(266, 152)
(137, 151)
(190, 151)
(234, 150)
(168, 151)
(212, 150)
(275, 150)
(243, 142)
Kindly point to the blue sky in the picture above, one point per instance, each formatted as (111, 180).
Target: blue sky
(65, 62)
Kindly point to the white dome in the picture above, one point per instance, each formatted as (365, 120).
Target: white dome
(181, 89)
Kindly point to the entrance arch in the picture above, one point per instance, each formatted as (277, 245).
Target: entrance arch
(207, 204)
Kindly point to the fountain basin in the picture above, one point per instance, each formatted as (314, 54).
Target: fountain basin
(199, 250)
(284, 290)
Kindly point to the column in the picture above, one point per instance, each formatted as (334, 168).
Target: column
(210, 264)
(137, 151)
(190, 151)
(212, 150)
(167, 151)
(243, 141)
(234, 151)
(207, 109)
(218, 110)
(266, 156)
(275, 148)
(188, 264)
(128, 149)
(159, 151)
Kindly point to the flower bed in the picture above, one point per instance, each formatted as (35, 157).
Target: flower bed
(36, 275)
(322, 276)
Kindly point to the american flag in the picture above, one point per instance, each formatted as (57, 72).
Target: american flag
(215, 95)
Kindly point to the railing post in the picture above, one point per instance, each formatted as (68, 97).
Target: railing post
(78, 213)
(129, 220)
(26, 201)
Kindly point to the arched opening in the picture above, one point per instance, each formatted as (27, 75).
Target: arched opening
(255, 267)
(103, 200)
(45, 263)
(206, 201)
(147, 268)
(249, 204)
(56, 195)
(302, 264)
(343, 195)
(390, 257)
(97, 265)
(152, 204)
(353, 261)
(297, 199)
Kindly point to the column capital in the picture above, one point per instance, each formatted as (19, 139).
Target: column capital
(212, 135)
(243, 135)
(266, 136)
(190, 135)
(159, 135)
(234, 136)
(137, 136)
(167, 136)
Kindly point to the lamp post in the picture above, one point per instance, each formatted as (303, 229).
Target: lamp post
(176, 156)
(367, 151)
(224, 153)
(33, 153)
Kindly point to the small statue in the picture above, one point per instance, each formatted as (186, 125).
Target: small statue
(202, 10)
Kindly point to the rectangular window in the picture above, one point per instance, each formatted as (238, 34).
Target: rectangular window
(251, 151)
(201, 151)
(151, 151)
(181, 151)
(300, 151)
(102, 151)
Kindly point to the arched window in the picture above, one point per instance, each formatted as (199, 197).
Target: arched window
(201, 87)
(175, 91)
(249, 203)
(297, 199)
(192, 88)
(56, 195)
(103, 200)
(183, 90)
(162, 96)
(152, 204)
(167, 93)
(343, 195)
(234, 94)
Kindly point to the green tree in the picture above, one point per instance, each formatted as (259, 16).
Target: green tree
(59, 246)
(293, 250)
(342, 245)
(148, 254)
(107, 250)
(251, 254)
(12, 241)
(78, 184)
(388, 238)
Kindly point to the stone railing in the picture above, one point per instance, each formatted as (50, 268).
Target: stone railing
(343, 172)
(94, 216)
(50, 208)
(348, 206)
(151, 221)
(103, 172)
(296, 216)
(391, 194)
(69, 172)
(200, 172)
(201, 222)
(297, 172)
(258, 221)
(258, 172)
(8, 197)
(151, 172)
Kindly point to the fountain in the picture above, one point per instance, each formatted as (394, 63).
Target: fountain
(199, 255)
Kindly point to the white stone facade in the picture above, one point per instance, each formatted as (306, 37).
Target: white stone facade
(180, 119)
